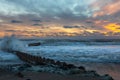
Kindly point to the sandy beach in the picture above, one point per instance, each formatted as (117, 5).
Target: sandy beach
(6, 75)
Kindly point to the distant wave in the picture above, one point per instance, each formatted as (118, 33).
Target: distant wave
(94, 53)
(56, 43)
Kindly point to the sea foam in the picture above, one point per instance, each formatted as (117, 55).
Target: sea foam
(11, 43)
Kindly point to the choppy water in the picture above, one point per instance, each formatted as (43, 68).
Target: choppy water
(73, 52)
(79, 52)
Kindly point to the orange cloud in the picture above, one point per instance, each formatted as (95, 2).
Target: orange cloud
(2, 34)
(57, 30)
(113, 27)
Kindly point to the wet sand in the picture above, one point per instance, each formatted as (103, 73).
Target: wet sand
(43, 76)
(113, 69)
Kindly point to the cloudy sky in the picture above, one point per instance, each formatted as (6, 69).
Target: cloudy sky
(46, 18)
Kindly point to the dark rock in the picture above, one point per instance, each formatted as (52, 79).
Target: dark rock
(71, 66)
(27, 65)
(19, 74)
(40, 60)
(21, 68)
(95, 73)
(28, 79)
(52, 62)
(75, 71)
(82, 68)
(48, 61)
(107, 77)
(58, 63)
(44, 59)
(34, 44)
(64, 66)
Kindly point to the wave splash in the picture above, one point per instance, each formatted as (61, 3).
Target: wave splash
(11, 43)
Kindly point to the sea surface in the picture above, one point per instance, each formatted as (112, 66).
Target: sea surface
(75, 52)
(104, 57)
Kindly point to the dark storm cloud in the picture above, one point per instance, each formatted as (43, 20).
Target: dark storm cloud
(37, 24)
(63, 9)
(36, 20)
(72, 26)
(90, 22)
(59, 9)
(16, 21)
(10, 30)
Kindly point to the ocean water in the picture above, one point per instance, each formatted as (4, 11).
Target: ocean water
(9, 59)
(78, 51)
(72, 52)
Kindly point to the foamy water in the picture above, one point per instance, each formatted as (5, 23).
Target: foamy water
(71, 51)
(8, 44)
(76, 53)
(11, 43)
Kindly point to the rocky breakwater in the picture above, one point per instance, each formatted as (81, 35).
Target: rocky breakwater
(41, 64)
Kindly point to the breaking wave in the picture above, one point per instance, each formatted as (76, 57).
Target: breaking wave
(11, 43)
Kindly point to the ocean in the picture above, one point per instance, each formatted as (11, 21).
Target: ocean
(77, 51)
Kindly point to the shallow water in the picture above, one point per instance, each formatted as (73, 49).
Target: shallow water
(113, 69)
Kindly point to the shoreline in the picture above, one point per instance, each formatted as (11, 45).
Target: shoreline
(36, 75)
(29, 75)
(101, 68)
(111, 69)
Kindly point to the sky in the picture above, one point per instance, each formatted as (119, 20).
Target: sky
(60, 18)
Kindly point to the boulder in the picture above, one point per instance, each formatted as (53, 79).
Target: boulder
(82, 68)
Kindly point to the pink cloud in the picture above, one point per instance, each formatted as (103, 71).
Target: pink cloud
(107, 7)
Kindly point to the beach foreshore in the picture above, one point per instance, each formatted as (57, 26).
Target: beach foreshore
(113, 69)
(28, 72)
(32, 75)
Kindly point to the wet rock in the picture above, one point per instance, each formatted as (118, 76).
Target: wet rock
(63, 66)
(107, 77)
(58, 63)
(91, 74)
(19, 74)
(28, 79)
(34, 44)
(94, 73)
(82, 68)
(75, 71)
(47, 61)
(70, 66)
(52, 62)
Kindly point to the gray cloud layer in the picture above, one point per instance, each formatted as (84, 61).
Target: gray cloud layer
(47, 8)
